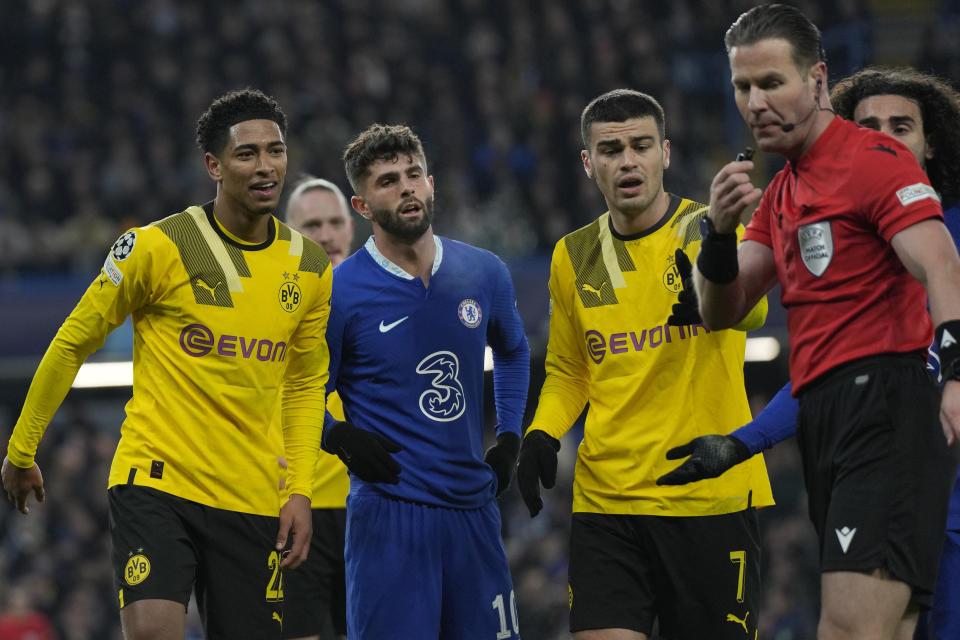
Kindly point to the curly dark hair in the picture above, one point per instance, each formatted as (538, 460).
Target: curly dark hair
(213, 127)
(939, 107)
(379, 142)
(620, 105)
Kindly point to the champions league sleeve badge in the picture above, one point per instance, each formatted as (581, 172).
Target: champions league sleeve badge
(119, 252)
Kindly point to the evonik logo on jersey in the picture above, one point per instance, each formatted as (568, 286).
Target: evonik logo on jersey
(444, 400)
(624, 342)
(197, 340)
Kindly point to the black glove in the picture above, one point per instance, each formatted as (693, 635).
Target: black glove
(366, 454)
(687, 309)
(537, 464)
(502, 456)
(710, 456)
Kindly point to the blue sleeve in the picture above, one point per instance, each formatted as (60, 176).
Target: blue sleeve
(511, 355)
(776, 423)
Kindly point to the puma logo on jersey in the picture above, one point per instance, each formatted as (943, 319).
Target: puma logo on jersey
(591, 289)
(742, 623)
(200, 283)
(278, 618)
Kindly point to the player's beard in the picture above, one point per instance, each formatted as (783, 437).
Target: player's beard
(405, 230)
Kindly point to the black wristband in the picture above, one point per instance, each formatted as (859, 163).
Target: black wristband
(947, 339)
(718, 254)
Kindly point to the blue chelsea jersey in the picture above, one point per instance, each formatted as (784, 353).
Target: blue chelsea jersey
(407, 361)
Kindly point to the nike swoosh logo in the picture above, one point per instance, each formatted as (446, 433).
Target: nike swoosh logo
(386, 327)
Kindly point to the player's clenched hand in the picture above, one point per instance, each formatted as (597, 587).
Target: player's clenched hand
(686, 310)
(949, 411)
(18, 483)
(731, 192)
(537, 465)
(296, 529)
(365, 453)
(710, 456)
(501, 457)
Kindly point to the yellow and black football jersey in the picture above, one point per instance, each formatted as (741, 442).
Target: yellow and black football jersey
(222, 329)
(649, 386)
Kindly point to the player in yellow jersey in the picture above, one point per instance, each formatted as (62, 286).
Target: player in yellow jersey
(229, 314)
(315, 595)
(686, 556)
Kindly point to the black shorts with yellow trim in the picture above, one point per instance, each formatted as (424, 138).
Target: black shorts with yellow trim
(164, 547)
(698, 576)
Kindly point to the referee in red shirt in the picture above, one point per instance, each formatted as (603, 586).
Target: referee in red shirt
(853, 232)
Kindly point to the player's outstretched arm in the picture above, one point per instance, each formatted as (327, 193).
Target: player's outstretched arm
(366, 454)
(711, 456)
(296, 529)
(536, 465)
(20, 483)
(502, 457)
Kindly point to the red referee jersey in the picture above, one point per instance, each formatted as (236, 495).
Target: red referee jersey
(829, 219)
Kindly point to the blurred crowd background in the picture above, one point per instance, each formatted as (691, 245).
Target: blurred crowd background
(98, 103)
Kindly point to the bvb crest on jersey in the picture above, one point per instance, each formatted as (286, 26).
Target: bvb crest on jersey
(671, 277)
(290, 295)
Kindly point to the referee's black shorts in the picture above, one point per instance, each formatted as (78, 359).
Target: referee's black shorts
(878, 470)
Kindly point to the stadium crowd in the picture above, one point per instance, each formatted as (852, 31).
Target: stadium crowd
(96, 96)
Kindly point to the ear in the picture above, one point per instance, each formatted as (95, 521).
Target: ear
(818, 75)
(666, 154)
(929, 152)
(587, 167)
(214, 168)
(360, 206)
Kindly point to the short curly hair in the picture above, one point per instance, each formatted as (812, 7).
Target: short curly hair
(939, 107)
(213, 127)
(379, 142)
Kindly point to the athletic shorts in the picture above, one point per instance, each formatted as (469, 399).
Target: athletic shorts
(418, 571)
(700, 576)
(164, 547)
(314, 592)
(878, 470)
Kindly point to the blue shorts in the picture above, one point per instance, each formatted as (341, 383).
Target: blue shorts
(417, 571)
(943, 619)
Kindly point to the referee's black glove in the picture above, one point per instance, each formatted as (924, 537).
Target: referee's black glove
(710, 456)
(537, 465)
(502, 457)
(686, 310)
(365, 453)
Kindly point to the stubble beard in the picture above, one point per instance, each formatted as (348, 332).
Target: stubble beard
(405, 230)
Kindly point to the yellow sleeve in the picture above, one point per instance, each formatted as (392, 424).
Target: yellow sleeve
(756, 317)
(104, 306)
(565, 390)
(303, 391)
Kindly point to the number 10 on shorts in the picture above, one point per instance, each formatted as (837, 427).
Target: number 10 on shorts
(497, 603)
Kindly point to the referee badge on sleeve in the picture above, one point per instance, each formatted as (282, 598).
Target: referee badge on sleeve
(816, 246)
